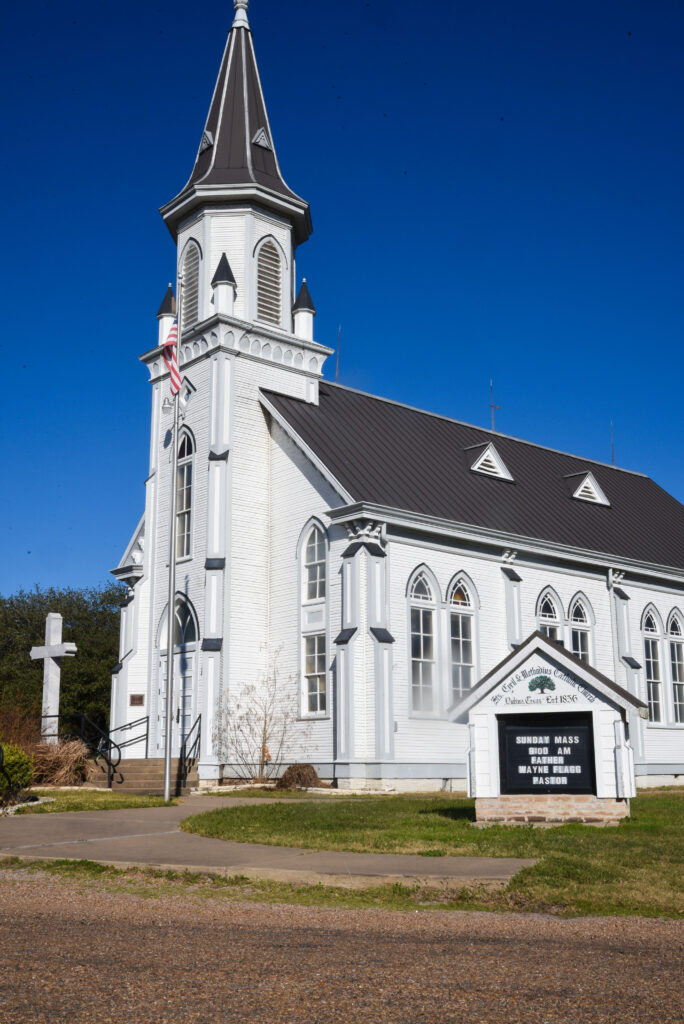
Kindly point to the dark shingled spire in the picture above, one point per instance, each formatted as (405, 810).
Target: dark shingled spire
(236, 158)
(223, 275)
(304, 300)
(168, 306)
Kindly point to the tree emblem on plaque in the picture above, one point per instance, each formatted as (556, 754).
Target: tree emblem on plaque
(541, 683)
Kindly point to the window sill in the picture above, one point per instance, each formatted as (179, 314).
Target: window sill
(313, 717)
(665, 725)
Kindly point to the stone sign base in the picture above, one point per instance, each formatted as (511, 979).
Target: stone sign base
(550, 807)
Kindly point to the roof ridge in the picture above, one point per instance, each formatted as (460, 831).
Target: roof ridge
(486, 430)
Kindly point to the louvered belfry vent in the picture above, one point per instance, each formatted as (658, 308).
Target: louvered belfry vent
(190, 295)
(589, 490)
(269, 284)
(491, 464)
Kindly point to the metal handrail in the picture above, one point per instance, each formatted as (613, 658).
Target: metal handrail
(190, 750)
(102, 746)
(134, 739)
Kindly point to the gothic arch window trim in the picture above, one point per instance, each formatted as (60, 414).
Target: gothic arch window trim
(435, 594)
(312, 554)
(184, 493)
(463, 607)
(186, 631)
(424, 643)
(581, 623)
(190, 264)
(549, 614)
(271, 281)
(675, 623)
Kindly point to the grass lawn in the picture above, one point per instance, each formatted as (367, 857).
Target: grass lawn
(88, 800)
(636, 867)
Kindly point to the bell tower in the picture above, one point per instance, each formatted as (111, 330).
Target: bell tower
(245, 328)
(236, 203)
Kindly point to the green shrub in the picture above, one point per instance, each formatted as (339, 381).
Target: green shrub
(18, 766)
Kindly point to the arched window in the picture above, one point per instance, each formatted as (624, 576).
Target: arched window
(190, 268)
(313, 560)
(314, 565)
(580, 627)
(423, 645)
(462, 634)
(185, 632)
(651, 630)
(184, 495)
(269, 284)
(548, 617)
(676, 641)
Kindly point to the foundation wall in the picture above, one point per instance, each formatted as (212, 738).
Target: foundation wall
(548, 807)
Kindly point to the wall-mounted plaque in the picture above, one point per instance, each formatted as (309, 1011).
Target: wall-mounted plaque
(546, 753)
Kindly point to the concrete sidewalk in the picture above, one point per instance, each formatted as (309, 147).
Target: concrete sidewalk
(150, 837)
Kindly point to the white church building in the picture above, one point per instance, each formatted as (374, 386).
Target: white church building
(379, 559)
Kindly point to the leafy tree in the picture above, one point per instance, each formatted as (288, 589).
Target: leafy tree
(91, 621)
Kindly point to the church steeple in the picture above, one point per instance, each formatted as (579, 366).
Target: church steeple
(236, 161)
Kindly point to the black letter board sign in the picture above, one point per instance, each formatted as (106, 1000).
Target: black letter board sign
(546, 754)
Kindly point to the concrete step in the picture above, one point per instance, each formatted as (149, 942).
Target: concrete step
(145, 776)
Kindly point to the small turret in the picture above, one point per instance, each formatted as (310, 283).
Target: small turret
(225, 287)
(166, 314)
(303, 313)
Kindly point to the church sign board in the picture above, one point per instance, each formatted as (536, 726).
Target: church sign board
(549, 739)
(546, 753)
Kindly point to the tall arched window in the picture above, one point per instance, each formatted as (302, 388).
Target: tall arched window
(314, 565)
(423, 645)
(190, 269)
(461, 616)
(548, 617)
(651, 631)
(676, 642)
(269, 284)
(580, 627)
(184, 496)
(313, 554)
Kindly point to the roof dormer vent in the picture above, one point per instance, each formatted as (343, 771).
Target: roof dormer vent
(490, 463)
(589, 490)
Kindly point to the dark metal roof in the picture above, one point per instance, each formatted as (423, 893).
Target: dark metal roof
(168, 306)
(402, 458)
(223, 275)
(237, 153)
(304, 300)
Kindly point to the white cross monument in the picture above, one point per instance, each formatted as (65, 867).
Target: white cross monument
(52, 655)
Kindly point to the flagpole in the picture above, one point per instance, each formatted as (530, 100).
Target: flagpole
(172, 577)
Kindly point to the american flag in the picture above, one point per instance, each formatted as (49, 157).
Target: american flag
(171, 359)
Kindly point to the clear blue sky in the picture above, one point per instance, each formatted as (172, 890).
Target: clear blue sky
(496, 191)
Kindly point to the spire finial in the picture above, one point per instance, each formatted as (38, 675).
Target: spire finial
(241, 14)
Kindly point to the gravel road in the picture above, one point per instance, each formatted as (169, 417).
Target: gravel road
(79, 954)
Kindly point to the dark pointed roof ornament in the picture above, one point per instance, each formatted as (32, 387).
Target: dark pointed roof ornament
(236, 161)
(223, 275)
(168, 306)
(304, 300)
